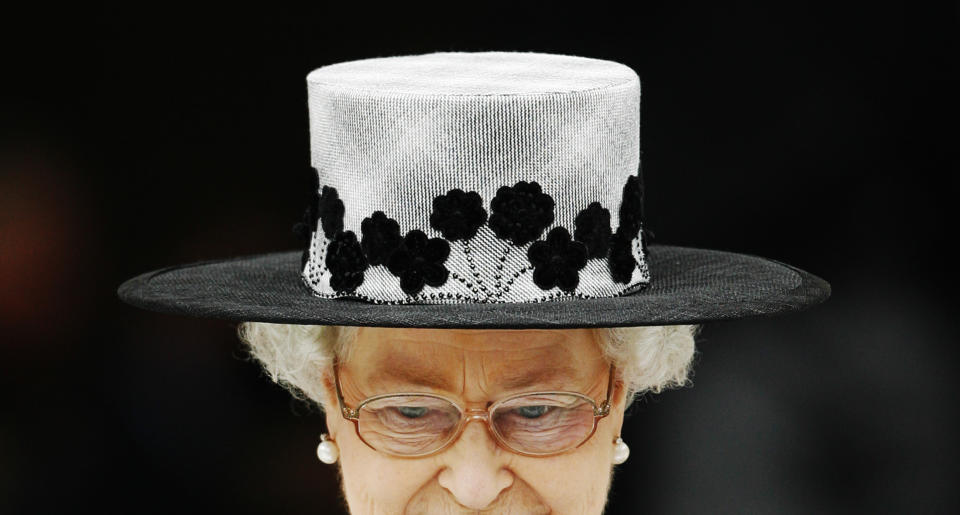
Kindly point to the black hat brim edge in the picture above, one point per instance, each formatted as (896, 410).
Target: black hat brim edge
(688, 286)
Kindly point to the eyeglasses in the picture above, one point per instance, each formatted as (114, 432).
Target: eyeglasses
(415, 425)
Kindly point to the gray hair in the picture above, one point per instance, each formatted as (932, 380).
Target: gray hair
(297, 357)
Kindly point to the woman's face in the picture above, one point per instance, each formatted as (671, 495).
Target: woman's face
(474, 368)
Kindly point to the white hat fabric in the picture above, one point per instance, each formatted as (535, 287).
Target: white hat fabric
(409, 145)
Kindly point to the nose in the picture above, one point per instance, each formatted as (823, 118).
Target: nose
(475, 468)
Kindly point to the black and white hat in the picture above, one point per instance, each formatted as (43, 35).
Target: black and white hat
(492, 189)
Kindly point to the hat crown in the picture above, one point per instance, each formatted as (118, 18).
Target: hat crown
(473, 74)
(475, 177)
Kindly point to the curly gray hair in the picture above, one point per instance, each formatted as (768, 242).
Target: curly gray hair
(298, 357)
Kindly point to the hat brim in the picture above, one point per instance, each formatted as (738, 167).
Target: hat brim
(688, 286)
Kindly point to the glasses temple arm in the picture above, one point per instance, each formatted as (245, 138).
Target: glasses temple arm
(604, 408)
(347, 412)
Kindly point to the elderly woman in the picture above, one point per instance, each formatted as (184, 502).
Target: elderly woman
(548, 409)
(475, 303)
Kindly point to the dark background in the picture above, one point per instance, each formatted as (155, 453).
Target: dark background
(821, 136)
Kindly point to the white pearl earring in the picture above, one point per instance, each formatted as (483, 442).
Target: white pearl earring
(327, 451)
(620, 451)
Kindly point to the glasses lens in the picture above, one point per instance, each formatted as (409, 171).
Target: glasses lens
(407, 425)
(544, 423)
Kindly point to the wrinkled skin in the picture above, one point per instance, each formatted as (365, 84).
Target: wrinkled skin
(474, 474)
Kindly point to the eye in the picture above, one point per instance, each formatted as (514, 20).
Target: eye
(412, 411)
(531, 411)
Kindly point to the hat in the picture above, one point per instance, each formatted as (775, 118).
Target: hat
(477, 190)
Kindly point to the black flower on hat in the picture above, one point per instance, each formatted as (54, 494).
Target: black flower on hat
(307, 225)
(346, 262)
(646, 237)
(381, 237)
(592, 228)
(304, 229)
(621, 258)
(330, 209)
(557, 261)
(631, 207)
(419, 261)
(521, 212)
(458, 214)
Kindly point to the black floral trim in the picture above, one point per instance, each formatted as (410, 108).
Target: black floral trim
(330, 209)
(557, 261)
(308, 222)
(646, 237)
(307, 225)
(346, 262)
(458, 214)
(302, 230)
(381, 237)
(622, 262)
(419, 261)
(521, 212)
(631, 207)
(592, 228)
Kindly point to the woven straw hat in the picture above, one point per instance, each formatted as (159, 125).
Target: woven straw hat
(483, 190)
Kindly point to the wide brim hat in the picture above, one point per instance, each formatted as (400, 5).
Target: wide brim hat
(477, 190)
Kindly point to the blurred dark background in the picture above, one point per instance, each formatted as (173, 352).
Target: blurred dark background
(825, 137)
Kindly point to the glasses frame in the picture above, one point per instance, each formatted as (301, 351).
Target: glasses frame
(601, 408)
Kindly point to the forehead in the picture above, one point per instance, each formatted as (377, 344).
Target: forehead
(434, 354)
(555, 345)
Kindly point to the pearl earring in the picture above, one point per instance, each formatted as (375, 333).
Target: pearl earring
(620, 451)
(327, 451)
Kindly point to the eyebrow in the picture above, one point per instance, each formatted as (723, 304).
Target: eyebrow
(540, 375)
(410, 370)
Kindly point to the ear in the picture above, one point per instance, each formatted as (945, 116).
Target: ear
(328, 395)
(331, 407)
(618, 405)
